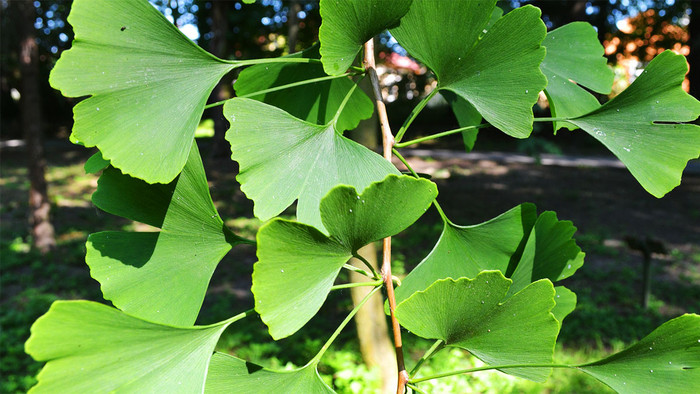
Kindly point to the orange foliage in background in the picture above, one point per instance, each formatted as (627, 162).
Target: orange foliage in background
(639, 39)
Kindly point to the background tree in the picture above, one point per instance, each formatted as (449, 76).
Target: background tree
(31, 114)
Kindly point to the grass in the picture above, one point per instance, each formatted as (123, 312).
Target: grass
(608, 314)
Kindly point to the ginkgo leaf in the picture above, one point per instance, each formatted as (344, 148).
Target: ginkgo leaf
(90, 347)
(498, 73)
(228, 374)
(132, 267)
(640, 125)
(574, 54)
(518, 243)
(550, 253)
(316, 102)
(464, 251)
(148, 85)
(346, 25)
(297, 264)
(475, 314)
(283, 159)
(665, 361)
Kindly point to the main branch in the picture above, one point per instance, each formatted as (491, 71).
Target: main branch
(388, 144)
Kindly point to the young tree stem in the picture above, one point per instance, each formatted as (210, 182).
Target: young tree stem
(438, 135)
(388, 144)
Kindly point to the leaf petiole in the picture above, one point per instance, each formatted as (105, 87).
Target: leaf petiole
(358, 270)
(551, 119)
(357, 284)
(442, 134)
(435, 203)
(415, 388)
(342, 325)
(414, 113)
(287, 86)
(489, 367)
(250, 62)
(408, 166)
(437, 346)
(344, 102)
(299, 83)
(238, 317)
(371, 268)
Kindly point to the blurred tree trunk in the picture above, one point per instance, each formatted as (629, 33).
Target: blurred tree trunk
(376, 347)
(31, 120)
(372, 330)
(223, 90)
(293, 22)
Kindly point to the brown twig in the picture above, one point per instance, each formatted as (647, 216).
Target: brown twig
(388, 144)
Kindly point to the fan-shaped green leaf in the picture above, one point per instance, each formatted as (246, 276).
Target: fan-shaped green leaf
(283, 159)
(464, 251)
(574, 54)
(498, 74)
(90, 347)
(316, 103)
(383, 209)
(517, 243)
(349, 24)
(550, 253)
(228, 374)
(474, 314)
(665, 361)
(148, 83)
(638, 125)
(298, 264)
(131, 267)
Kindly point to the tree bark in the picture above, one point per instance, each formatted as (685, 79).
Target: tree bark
(372, 330)
(42, 230)
(293, 25)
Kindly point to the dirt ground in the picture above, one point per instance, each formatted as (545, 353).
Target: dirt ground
(594, 198)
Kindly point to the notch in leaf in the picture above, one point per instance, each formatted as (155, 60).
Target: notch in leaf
(132, 266)
(297, 264)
